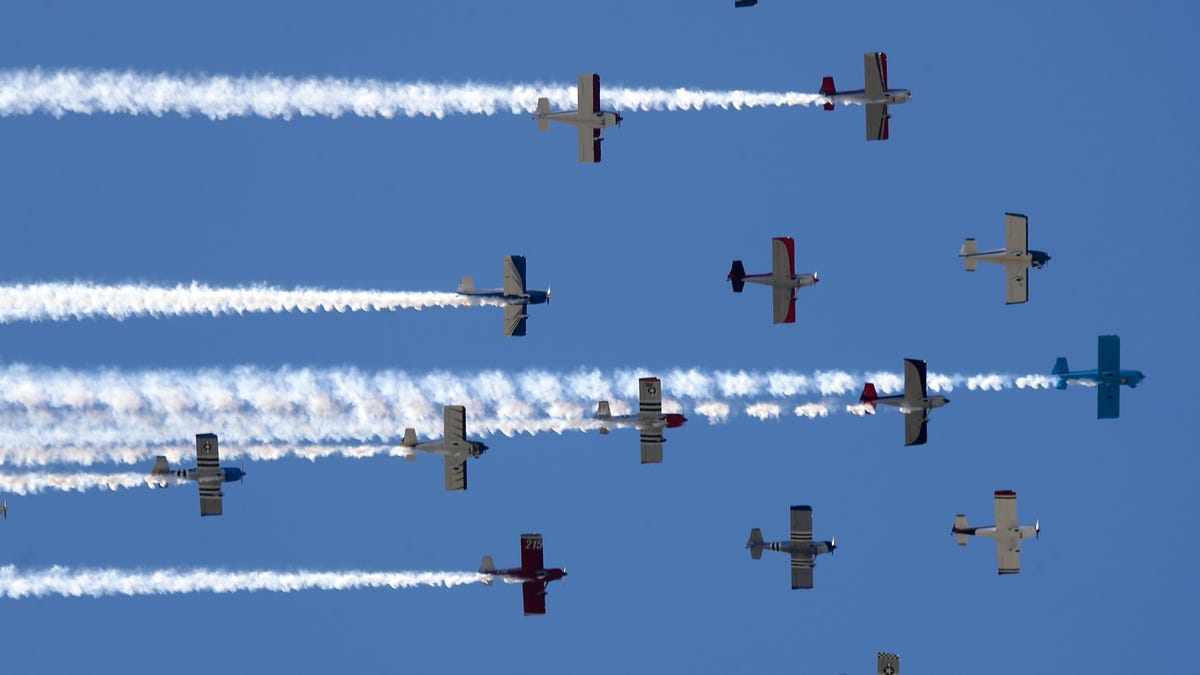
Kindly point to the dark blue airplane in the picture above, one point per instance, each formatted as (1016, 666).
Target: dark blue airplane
(1107, 378)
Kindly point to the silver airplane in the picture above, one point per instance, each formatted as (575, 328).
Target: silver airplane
(915, 402)
(453, 446)
(1016, 257)
(650, 420)
(514, 295)
(1007, 533)
(783, 279)
(588, 119)
(801, 547)
(4, 509)
(876, 95)
(208, 473)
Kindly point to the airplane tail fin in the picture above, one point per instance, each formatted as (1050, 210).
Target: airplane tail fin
(467, 285)
(487, 567)
(755, 543)
(603, 412)
(969, 249)
(827, 88)
(960, 523)
(160, 466)
(736, 275)
(869, 396)
(1061, 368)
(543, 109)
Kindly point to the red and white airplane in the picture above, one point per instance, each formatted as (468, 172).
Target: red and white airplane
(532, 574)
(588, 119)
(876, 95)
(650, 419)
(783, 278)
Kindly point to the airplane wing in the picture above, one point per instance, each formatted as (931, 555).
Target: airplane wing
(1017, 288)
(514, 275)
(652, 444)
(802, 570)
(802, 524)
(784, 303)
(1108, 393)
(454, 424)
(1008, 560)
(877, 121)
(534, 595)
(650, 398)
(208, 465)
(514, 319)
(531, 552)
(915, 428)
(1006, 510)
(914, 379)
(589, 145)
(783, 257)
(1108, 401)
(456, 472)
(589, 93)
(1016, 234)
(1109, 348)
(875, 74)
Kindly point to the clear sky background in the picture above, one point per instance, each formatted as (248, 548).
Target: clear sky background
(1080, 115)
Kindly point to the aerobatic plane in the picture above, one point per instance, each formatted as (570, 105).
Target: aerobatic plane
(4, 509)
(876, 96)
(1006, 532)
(1107, 378)
(532, 574)
(801, 546)
(1016, 257)
(514, 295)
(783, 279)
(887, 663)
(208, 473)
(588, 118)
(915, 402)
(453, 446)
(744, 3)
(650, 419)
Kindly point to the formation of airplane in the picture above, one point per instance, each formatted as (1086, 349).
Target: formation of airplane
(453, 446)
(650, 420)
(209, 474)
(1107, 377)
(514, 295)
(532, 574)
(801, 546)
(1007, 533)
(783, 279)
(876, 95)
(915, 402)
(588, 119)
(1016, 257)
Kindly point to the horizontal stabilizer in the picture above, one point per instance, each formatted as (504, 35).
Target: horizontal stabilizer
(467, 285)
(160, 466)
(969, 249)
(755, 543)
(410, 438)
(543, 108)
(603, 412)
(960, 523)
(737, 274)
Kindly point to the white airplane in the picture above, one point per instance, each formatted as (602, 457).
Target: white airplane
(588, 119)
(453, 446)
(1016, 257)
(650, 419)
(876, 96)
(1006, 532)
(783, 278)
(801, 546)
(915, 402)
(208, 473)
(514, 295)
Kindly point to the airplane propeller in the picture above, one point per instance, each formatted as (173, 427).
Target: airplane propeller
(1037, 529)
(547, 294)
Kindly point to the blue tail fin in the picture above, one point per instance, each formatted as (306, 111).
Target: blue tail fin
(736, 273)
(1061, 368)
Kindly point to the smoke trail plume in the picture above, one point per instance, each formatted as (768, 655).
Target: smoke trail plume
(26, 92)
(62, 301)
(96, 583)
(34, 483)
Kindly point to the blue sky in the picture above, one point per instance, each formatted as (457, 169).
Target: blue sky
(1078, 115)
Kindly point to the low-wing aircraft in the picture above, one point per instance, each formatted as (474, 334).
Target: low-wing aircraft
(801, 546)
(1016, 257)
(514, 295)
(876, 96)
(1007, 533)
(1107, 378)
(588, 118)
(887, 663)
(915, 402)
(650, 419)
(208, 473)
(744, 3)
(532, 574)
(783, 279)
(453, 446)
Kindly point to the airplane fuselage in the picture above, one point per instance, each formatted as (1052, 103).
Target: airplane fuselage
(1034, 259)
(664, 421)
(227, 474)
(890, 97)
(813, 548)
(990, 532)
(1129, 378)
(454, 448)
(790, 281)
(529, 298)
(519, 575)
(908, 405)
(602, 119)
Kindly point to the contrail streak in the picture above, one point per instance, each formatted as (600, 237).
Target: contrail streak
(101, 582)
(34, 483)
(63, 301)
(26, 92)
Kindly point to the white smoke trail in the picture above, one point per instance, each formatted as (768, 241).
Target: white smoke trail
(96, 583)
(62, 301)
(34, 483)
(25, 92)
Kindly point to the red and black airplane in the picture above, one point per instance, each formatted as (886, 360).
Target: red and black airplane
(532, 574)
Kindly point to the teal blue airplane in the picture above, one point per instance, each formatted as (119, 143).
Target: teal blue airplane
(1107, 378)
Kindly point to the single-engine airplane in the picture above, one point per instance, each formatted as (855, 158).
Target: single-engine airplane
(453, 446)
(1016, 257)
(1107, 378)
(915, 402)
(514, 295)
(532, 574)
(650, 420)
(876, 96)
(801, 546)
(1006, 532)
(783, 279)
(208, 473)
(588, 118)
